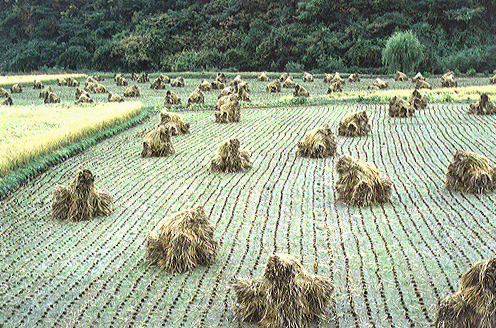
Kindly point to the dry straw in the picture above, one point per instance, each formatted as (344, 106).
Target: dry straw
(174, 122)
(359, 183)
(158, 142)
(400, 76)
(182, 241)
(274, 86)
(227, 109)
(474, 304)
(307, 77)
(483, 107)
(318, 143)
(400, 108)
(470, 172)
(171, 98)
(230, 158)
(286, 296)
(354, 124)
(448, 80)
(80, 200)
(300, 91)
(196, 97)
(178, 82)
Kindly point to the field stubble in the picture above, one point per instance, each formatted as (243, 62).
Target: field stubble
(390, 263)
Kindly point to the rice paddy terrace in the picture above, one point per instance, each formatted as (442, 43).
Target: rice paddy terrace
(390, 263)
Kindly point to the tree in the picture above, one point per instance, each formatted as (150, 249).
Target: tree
(403, 52)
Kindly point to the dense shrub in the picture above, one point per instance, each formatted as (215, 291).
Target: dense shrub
(75, 57)
(403, 52)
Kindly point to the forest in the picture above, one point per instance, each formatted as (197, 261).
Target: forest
(242, 35)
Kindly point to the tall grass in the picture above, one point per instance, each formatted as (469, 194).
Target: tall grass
(27, 79)
(27, 132)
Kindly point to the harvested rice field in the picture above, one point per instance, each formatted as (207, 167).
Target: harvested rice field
(390, 263)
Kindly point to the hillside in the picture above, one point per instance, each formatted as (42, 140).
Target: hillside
(244, 35)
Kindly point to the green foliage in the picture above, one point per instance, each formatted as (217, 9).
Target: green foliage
(471, 72)
(403, 52)
(75, 57)
(321, 36)
(294, 67)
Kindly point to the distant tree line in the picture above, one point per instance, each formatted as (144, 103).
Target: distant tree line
(244, 35)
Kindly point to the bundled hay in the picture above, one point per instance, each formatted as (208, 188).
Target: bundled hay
(7, 101)
(4, 93)
(237, 80)
(474, 304)
(417, 77)
(98, 77)
(355, 77)
(114, 97)
(400, 108)
(45, 91)
(274, 86)
(182, 241)
(230, 158)
(359, 183)
(492, 80)
(95, 87)
(470, 172)
(143, 78)
(226, 91)
(80, 200)
(178, 82)
(417, 100)
(72, 82)
(354, 124)
(307, 77)
(160, 83)
(217, 85)
(241, 90)
(89, 80)
(171, 98)
(286, 296)
(84, 98)
(227, 109)
(196, 97)
(448, 80)
(300, 91)
(379, 84)
(422, 84)
(327, 78)
(400, 76)
(120, 81)
(174, 122)
(158, 142)
(16, 88)
(37, 84)
(134, 76)
(263, 77)
(337, 78)
(80, 92)
(221, 77)
(283, 77)
(205, 85)
(52, 98)
(61, 82)
(318, 143)
(335, 87)
(483, 107)
(289, 83)
(132, 91)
